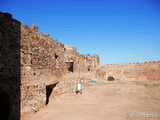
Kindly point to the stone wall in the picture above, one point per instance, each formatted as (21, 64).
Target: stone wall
(35, 68)
(143, 71)
(9, 67)
(80, 61)
(41, 66)
(44, 62)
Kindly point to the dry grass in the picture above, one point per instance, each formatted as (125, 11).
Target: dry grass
(148, 84)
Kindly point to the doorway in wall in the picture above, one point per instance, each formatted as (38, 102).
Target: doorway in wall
(4, 106)
(110, 78)
(49, 89)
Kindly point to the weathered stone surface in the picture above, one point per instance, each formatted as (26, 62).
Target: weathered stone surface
(35, 68)
(9, 67)
(143, 71)
(44, 62)
(32, 63)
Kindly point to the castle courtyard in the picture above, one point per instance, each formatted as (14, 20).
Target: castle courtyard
(105, 100)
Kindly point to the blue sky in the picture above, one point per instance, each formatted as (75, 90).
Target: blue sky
(119, 31)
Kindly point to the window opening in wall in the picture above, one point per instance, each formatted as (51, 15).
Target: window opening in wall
(69, 66)
(4, 106)
(88, 68)
(31, 62)
(56, 56)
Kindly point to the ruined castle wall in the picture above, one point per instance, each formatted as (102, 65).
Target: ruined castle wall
(143, 71)
(81, 62)
(44, 62)
(97, 61)
(92, 62)
(70, 58)
(80, 71)
(9, 67)
(41, 65)
(34, 67)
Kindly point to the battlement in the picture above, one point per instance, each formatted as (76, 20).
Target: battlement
(70, 47)
(34, 28)
(136, 63)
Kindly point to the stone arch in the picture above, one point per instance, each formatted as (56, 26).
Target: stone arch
(110, 78)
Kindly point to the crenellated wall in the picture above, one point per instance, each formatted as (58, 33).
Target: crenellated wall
(35, 68)
(44, 62)
(41, 66)
(143, 71)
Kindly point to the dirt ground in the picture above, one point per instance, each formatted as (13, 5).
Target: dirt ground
(106, 100)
